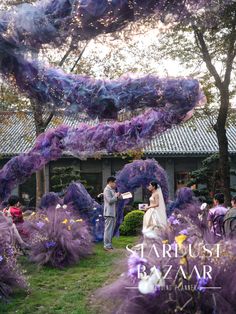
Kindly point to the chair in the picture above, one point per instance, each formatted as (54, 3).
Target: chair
(232, 226)
(218, 226)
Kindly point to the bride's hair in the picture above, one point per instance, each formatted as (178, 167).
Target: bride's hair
(155, 184)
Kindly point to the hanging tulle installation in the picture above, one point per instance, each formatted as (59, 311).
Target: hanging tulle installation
(100, 98)
(86, 141)
(29, 26)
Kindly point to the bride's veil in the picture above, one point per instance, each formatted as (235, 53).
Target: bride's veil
(162, 207)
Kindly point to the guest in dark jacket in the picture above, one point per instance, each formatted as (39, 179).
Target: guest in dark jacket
(230, 220)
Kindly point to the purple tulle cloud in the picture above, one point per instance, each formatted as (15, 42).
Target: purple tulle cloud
(50, 199)
(137, 174)
(140, 173)
(78, 196)
(52, 21)
(100, 98)
(183, 196)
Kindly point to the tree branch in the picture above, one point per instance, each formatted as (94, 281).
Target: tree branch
(80, 56)
(206, 56)
(48, 120)
(71, 48)
(231, 53)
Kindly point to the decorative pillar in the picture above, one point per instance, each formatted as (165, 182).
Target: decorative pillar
(170, 171)
(138, 195)
(46, 178)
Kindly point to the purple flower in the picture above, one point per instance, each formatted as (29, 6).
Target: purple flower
(135, 264)
(184, 231)
(173, 246)
(1, 258)
(50, 244)
(10, 251)
(201, 283)
(40, 224)
(172, 220)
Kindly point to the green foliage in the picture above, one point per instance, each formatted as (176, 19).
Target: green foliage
(207, 175)
(63, 176)
(204, 195)
(132, 223)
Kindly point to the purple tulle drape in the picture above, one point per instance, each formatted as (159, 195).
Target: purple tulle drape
(86, 141)
(47, 22)
(100, 98)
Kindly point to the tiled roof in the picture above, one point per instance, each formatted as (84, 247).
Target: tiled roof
(17, 135)
(194, 137)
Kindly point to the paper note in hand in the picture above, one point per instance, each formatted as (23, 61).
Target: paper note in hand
(142, 206)
(126, 195)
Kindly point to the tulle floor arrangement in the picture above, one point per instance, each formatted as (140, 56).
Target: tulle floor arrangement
(11, 276)
(58, 238)
(183, 271)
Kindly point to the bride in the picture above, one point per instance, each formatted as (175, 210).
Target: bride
(155, 217)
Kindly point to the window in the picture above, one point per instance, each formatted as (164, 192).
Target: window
(181, 180)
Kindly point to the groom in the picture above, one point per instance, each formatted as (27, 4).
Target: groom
(110, 199)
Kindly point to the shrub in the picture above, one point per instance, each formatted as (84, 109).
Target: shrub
(132, 223)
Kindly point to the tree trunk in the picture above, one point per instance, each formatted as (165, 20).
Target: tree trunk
(39, 186)
(224, 161)
(41, 125)
(39, 128)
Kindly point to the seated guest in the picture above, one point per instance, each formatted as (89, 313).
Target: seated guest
(216, 215)
(14, 209)
(230, 220)
(7, 220)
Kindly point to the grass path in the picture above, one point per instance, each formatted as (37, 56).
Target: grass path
(54, 291)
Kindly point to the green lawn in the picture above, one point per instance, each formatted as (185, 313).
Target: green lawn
(67, 291)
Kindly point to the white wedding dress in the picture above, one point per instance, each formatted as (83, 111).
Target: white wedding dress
(155, 218)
